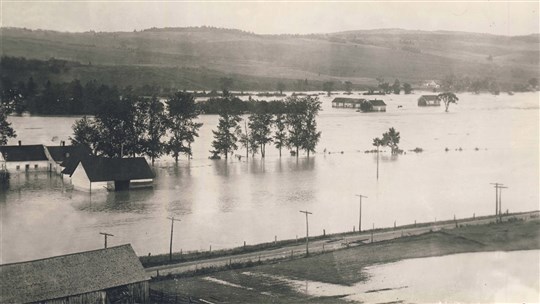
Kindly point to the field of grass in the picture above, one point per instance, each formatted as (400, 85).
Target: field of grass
(345, 267)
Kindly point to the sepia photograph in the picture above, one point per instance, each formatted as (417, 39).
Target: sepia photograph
(241, 151)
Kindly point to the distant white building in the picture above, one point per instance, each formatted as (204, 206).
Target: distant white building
(432, 84)
(97, 173)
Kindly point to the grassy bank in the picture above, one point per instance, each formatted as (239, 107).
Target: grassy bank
(346, 267)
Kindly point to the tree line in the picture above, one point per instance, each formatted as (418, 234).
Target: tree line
(146, 126)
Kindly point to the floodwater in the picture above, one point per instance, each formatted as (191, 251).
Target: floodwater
(484, 277)
(222, 204)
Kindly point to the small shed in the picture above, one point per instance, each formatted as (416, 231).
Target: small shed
(112, 275)
(25, 158)
(378, 105)
(342, 102)
(429, 101)
(91, 172)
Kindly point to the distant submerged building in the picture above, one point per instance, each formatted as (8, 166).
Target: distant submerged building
(111, 275)
(351, 103)
(429, 101)
(25, 158)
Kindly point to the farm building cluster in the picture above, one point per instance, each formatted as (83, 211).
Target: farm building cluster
(77, 166)
(374, 105)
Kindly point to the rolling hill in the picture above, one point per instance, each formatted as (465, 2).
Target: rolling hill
(195, 58)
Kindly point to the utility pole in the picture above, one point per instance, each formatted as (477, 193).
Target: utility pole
(500, 202)
(105, 235)
(172, 231)
(307, 231)
(360, 213)
(497, 210)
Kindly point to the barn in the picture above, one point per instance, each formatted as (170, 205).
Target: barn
(378, 105)
(25, 158)
(429, 101)
(112, 275)
(341, 102)
(94, 173)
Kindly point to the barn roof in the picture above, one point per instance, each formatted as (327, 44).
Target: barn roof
(429, 97)
(101, 169)
(377, 102)
(23, 153)
(69, 275)
(348, 100)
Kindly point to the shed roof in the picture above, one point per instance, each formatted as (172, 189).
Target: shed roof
(377, 102)
(348, 100)
(69, 275)
(23, 153)
(101, 169)
(429, 97)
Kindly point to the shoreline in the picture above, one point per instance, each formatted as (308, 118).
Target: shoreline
(271, 282)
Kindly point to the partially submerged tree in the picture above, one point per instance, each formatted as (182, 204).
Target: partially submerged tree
(348, 87)
(396, 87)
(407, 89)
(280, 86)
(280, 135)
(391, 139)
(448, 98)
(260, 125)
(184, 129)
(85, 133)
(226, 135)
(6, 131)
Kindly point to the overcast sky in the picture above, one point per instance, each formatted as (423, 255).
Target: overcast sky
(300, 17)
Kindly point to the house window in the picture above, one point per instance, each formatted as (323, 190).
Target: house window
(18, 167)
(27, 167)
(35, 166)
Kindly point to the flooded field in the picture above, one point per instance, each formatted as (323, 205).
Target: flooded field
(222, 204)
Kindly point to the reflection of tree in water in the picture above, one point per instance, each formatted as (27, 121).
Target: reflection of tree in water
(257, 166)
(301, 164)
(117, 202)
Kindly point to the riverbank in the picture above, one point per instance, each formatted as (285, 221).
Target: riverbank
(268, 283)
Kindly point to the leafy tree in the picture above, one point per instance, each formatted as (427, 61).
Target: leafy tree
(183, 128)
(280, 87)
(328, 87)
(448, 98)
(348, 87)
(280, 136)
(6, 131)
(301, 122)
(260, 124)
(396, 87)
(226, 135)
(391, 139)
(85, 132)
(366, 106)
(154, 123)
(407, 89)
(245, 139)
(385, 87)
(311, 136)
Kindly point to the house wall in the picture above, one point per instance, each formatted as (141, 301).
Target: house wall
(96, 297)
(379, 108)
(42, 165)
(80, 181)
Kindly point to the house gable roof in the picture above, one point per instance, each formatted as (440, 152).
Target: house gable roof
(348, 100)
(61, 153)
(102, 169)
(23, 153)
(69, 275)
(377, 102)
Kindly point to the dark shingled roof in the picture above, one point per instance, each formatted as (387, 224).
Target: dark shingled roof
(69, 275)
(23, 153)
(61, 153)
(348, 100)
(377, 102)
(102, 169)
(429, 97)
